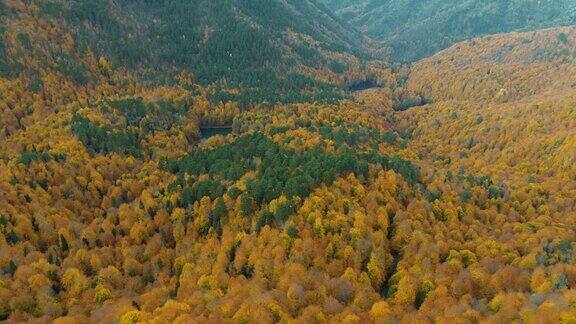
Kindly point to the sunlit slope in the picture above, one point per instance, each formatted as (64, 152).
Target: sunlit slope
(500, 68)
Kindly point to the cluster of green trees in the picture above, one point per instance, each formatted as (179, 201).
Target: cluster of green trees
(467, 182)
(267, 87)
(105, 139)
(130, 120)
(76, 71)
(43, 156)
(149, 117)
(8, 68)
(279, 172)
(407, 103)
(356, 135)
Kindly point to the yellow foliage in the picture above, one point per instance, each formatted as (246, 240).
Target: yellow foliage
(131, 317)
(102, 295)
(380, 310)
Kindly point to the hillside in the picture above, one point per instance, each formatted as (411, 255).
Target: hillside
(416, 29)
(502, 107)
(499, 68)
(248, 51)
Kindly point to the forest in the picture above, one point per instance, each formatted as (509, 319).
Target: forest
(442, 192)
(412, 30)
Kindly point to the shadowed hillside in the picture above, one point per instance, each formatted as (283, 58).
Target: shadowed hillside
(416, 29)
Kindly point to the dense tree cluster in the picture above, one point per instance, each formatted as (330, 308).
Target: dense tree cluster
(134, 121)
(276, 171)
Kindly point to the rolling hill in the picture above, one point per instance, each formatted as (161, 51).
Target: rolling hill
(499, 68)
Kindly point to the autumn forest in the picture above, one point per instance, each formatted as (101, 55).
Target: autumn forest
(267, 161)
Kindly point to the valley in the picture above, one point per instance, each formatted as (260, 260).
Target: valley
(256, 162)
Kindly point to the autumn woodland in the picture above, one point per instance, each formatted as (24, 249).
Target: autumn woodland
(236, 161)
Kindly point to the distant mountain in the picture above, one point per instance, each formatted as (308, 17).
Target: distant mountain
(272, 50)
(413, 29)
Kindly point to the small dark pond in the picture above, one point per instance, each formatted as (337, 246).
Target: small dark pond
(213, 131)
(362, 85)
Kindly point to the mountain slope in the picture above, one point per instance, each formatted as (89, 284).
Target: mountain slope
(499, 68)
(250, 51)
(416, 29)
(503, 107)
